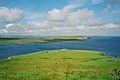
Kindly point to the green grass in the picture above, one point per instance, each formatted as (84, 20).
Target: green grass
(60, 65)
(21, 41)
(51, 39)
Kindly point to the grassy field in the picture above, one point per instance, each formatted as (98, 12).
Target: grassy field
(61, 65)
(51, 39)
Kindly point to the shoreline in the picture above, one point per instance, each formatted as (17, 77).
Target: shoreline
(44, 40)
(101, 53)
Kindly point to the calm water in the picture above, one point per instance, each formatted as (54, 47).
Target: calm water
(110, 45)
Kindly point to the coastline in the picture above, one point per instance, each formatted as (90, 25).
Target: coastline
(44, 40)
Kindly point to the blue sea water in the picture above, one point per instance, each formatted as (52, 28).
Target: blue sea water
(109, 45)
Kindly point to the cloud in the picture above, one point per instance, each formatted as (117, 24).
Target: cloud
(84, 2)
(61, 14)
(21, 28)
(3, 31)
(14, 28)
(36, 16)
(105, 29)
(66, 21)
(108, 2)
(58, 22)
(76, 18)
(70, 18)
(37, 25)
(79, 2)
(95, 22)
(71, 6)
(37, 29)
(57, 15)
(112, 26)
(9, 15)
(97, 1)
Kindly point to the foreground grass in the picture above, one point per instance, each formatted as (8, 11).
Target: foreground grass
(61, 65)
(51, 39)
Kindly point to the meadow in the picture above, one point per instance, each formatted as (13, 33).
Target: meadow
(61, 64)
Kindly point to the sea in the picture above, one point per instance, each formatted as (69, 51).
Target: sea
(109, 45)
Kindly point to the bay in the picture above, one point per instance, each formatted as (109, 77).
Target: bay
(110, 45)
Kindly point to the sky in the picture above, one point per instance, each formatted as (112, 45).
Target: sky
(60, 17)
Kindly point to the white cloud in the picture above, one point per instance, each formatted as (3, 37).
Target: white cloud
(3, 31)
(57, 15)
(38, 24)
(95, 22)
(80, 27)
(55, 30)
(69, 7)
(79, 2)
(112, 26)
(9, 25)
(97, 1)
(75, 18)
(60, 22)
(9, 15)
(95, 30)
(36, 16)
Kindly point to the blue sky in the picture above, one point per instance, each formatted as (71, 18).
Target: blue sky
(60, 17)
(34, 5)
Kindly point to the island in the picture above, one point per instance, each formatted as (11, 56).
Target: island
(61, 64)
(37, 40)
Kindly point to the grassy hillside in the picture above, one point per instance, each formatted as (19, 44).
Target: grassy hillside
(51, 39)
(61, 65)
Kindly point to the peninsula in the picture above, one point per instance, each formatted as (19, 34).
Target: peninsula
(36, 40)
